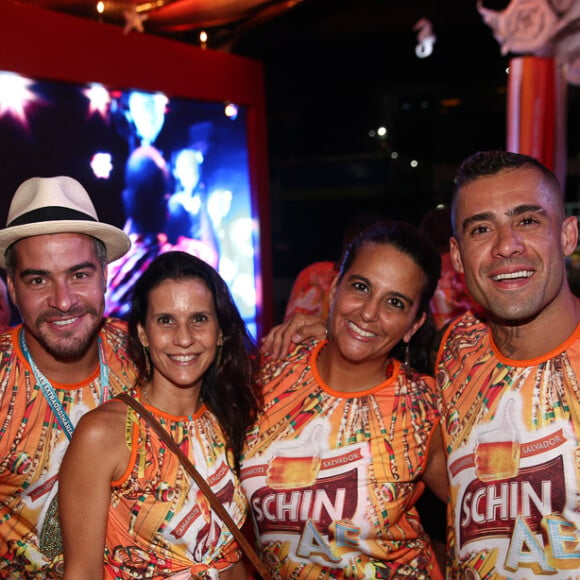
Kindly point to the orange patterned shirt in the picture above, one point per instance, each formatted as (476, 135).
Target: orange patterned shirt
(309, 294)
(32, 445)
(451, 298)
(160, 523)
(511, 431)
(332, 477)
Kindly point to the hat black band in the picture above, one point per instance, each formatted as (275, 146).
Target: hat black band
(50, 214)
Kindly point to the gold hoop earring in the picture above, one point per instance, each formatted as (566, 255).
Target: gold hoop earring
(147, 357)
(218, 354)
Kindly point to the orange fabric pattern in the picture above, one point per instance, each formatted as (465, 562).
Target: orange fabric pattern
(451, 298)
(32, 446)
(309, 294)
(330, 476)
(160, 523)
(510, 429)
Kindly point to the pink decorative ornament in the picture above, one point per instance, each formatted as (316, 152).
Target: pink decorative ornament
(544, 28)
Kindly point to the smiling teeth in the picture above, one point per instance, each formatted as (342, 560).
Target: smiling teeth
(64, 322)
(512, 275)
(183, 357)
(360, 331)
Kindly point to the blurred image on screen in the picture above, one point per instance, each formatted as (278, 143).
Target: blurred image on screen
(172, 172)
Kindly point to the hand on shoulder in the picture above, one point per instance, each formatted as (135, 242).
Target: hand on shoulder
(296, 329)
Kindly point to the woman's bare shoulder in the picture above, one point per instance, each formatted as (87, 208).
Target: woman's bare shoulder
(105, 423)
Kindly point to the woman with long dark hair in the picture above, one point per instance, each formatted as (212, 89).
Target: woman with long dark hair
(123, 493)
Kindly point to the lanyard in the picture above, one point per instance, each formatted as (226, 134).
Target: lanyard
(49, 392)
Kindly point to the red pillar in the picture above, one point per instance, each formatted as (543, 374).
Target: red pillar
(536, 112)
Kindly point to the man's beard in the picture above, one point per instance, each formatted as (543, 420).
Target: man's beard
(69, 345)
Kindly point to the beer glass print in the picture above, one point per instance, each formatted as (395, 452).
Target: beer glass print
(470, 573)
(497, 454)
(295, 466)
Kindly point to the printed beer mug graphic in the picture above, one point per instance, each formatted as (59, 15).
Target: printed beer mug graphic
(515, 484)
(497, 451)
(297, 463)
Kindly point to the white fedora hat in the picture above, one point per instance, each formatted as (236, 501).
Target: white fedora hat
(57, 205)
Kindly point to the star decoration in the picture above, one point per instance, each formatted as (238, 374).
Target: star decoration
(134, 20)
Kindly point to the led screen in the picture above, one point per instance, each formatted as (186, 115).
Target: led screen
(173, 172)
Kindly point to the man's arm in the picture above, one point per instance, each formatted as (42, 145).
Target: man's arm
(435, 475)
(296, 329)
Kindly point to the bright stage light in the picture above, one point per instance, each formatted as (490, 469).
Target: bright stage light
(15, 95)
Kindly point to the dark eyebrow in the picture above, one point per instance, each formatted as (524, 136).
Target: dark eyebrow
(488, 215)
(32, 272)
(357, 278)
(71, 270)
(526, 209)
(81, 266)
(478, 217)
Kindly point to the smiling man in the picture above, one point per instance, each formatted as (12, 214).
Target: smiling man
(62, 361)
(510, 383)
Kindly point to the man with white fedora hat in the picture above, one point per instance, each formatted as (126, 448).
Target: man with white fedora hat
(62, 361)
